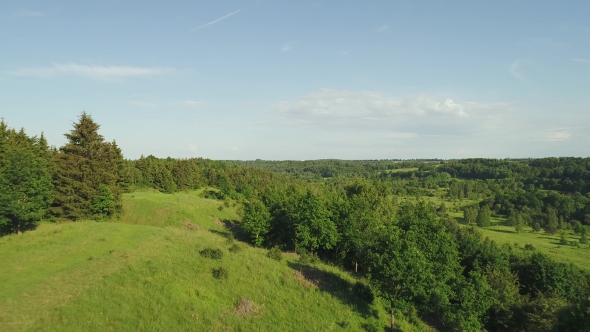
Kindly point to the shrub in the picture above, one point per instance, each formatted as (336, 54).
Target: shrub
(220, 208)
(363, 292)
(220, 273)
(230, 238)
(275, 253)
(373, 324)
(211, 253)
(309, 258)
(235, 248)
(529, 246)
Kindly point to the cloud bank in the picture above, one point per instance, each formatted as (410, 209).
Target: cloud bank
(93, 72)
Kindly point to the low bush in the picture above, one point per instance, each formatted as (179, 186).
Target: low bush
(306, 257)
(220, 273)
(275, 253)
(211, 253)
(235, 248)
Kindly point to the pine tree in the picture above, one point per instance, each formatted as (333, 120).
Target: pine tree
(82, 165)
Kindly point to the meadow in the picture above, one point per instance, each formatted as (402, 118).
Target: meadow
(144, 272)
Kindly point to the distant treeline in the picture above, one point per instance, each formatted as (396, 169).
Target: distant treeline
(326, 168)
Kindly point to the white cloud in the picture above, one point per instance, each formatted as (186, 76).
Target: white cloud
(560, 135)
(515, 71)
(194, 104)
(21, 12)
(581, 60)
(382, 28)
(192, 147)
(366, 105)
(397, 117)
(142, 104)
(94, 72)
(286, 48)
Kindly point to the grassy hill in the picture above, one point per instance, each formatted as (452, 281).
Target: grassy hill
(144, 272)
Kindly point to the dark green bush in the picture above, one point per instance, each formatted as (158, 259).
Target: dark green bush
(220, 273)
(363, 291)
(373, 324)
(305, 257)
(235, 248)
(275, 253)
(211, 253)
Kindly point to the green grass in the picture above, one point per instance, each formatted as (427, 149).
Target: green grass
(144, 272)
(548, 244)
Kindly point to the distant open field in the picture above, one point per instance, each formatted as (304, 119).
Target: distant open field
(548, 244)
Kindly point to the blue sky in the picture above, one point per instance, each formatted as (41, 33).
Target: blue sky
(277, 79)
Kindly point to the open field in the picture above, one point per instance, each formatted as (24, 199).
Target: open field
(578, 254)
(548, 244)
(122, 276)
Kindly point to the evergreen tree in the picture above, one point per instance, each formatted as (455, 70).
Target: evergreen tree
(25, 180)
(82, 165)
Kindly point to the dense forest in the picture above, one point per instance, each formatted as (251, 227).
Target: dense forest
(373, 218)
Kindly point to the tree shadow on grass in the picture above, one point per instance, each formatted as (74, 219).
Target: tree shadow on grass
(502, 231)
(232, 227)
(357, 295)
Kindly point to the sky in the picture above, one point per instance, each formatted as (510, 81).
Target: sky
(300, 80)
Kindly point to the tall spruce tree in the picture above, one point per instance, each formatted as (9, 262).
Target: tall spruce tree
(82, 165)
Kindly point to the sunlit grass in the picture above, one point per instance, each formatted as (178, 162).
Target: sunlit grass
(128, 276)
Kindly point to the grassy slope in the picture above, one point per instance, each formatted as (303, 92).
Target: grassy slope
(127, 275)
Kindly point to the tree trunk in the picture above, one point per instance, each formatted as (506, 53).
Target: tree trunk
(356, 267)
(392, 320)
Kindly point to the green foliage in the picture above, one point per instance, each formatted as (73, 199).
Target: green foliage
(256, 221)
(25, 180)
(373, 324)
(552, 223)
(562, 238)
(235, 248)
(413, 260)
(103, 203)
(470, 214)
(574, 317)
(314, 229)
(211, 253)
(584, 236)
(275, 253)
(484, 217)
(220, 273)
(84, 164)
(306, 257)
